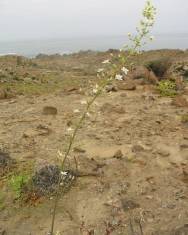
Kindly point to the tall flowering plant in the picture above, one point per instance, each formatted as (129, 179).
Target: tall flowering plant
(114, 68)
(119, 65)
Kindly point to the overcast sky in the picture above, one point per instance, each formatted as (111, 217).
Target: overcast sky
(40, 19)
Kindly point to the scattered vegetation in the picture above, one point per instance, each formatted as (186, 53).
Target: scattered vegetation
(17, 182)
(159, 67)
(184, 118)
(167, 88)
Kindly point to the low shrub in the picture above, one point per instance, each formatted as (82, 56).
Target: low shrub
(167, 88)
(17, 182)
(184, 118)
(159, 67)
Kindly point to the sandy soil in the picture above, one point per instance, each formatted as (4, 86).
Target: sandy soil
(134, 141)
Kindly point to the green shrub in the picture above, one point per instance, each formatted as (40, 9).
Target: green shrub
(184, 118)
(167, 88)
(159, 67)
(16, 183)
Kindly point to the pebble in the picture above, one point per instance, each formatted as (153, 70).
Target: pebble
(163, 152)
(118, 154)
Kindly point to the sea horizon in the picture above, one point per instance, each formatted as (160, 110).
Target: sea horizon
(33, 47)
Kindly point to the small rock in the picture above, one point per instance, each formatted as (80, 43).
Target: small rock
(127, 85)
(129, 205)
(118, 154)
(163, 152)
(180, 101)
(43, 130)
(137, 148)
(40, 130)
(72, 89)
(111, 88)
(123, 94)
(109, 108)
(184, 144)
(49, 110)
(185, 136)
(79, 150)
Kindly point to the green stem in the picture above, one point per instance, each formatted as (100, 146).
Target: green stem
(78, 126)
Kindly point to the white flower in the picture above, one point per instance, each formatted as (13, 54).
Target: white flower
(119, 77)
(106, 62)
(57, 233)
(64, 173)
(69, 129)
(100, 70)
(83, 102)
(152, 38)
(125, 70)
(60, 153)
(95, 91)
(76, 111)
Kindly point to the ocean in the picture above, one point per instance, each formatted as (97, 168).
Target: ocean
(31, 48)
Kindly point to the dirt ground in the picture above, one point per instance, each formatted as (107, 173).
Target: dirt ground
(134, 140)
